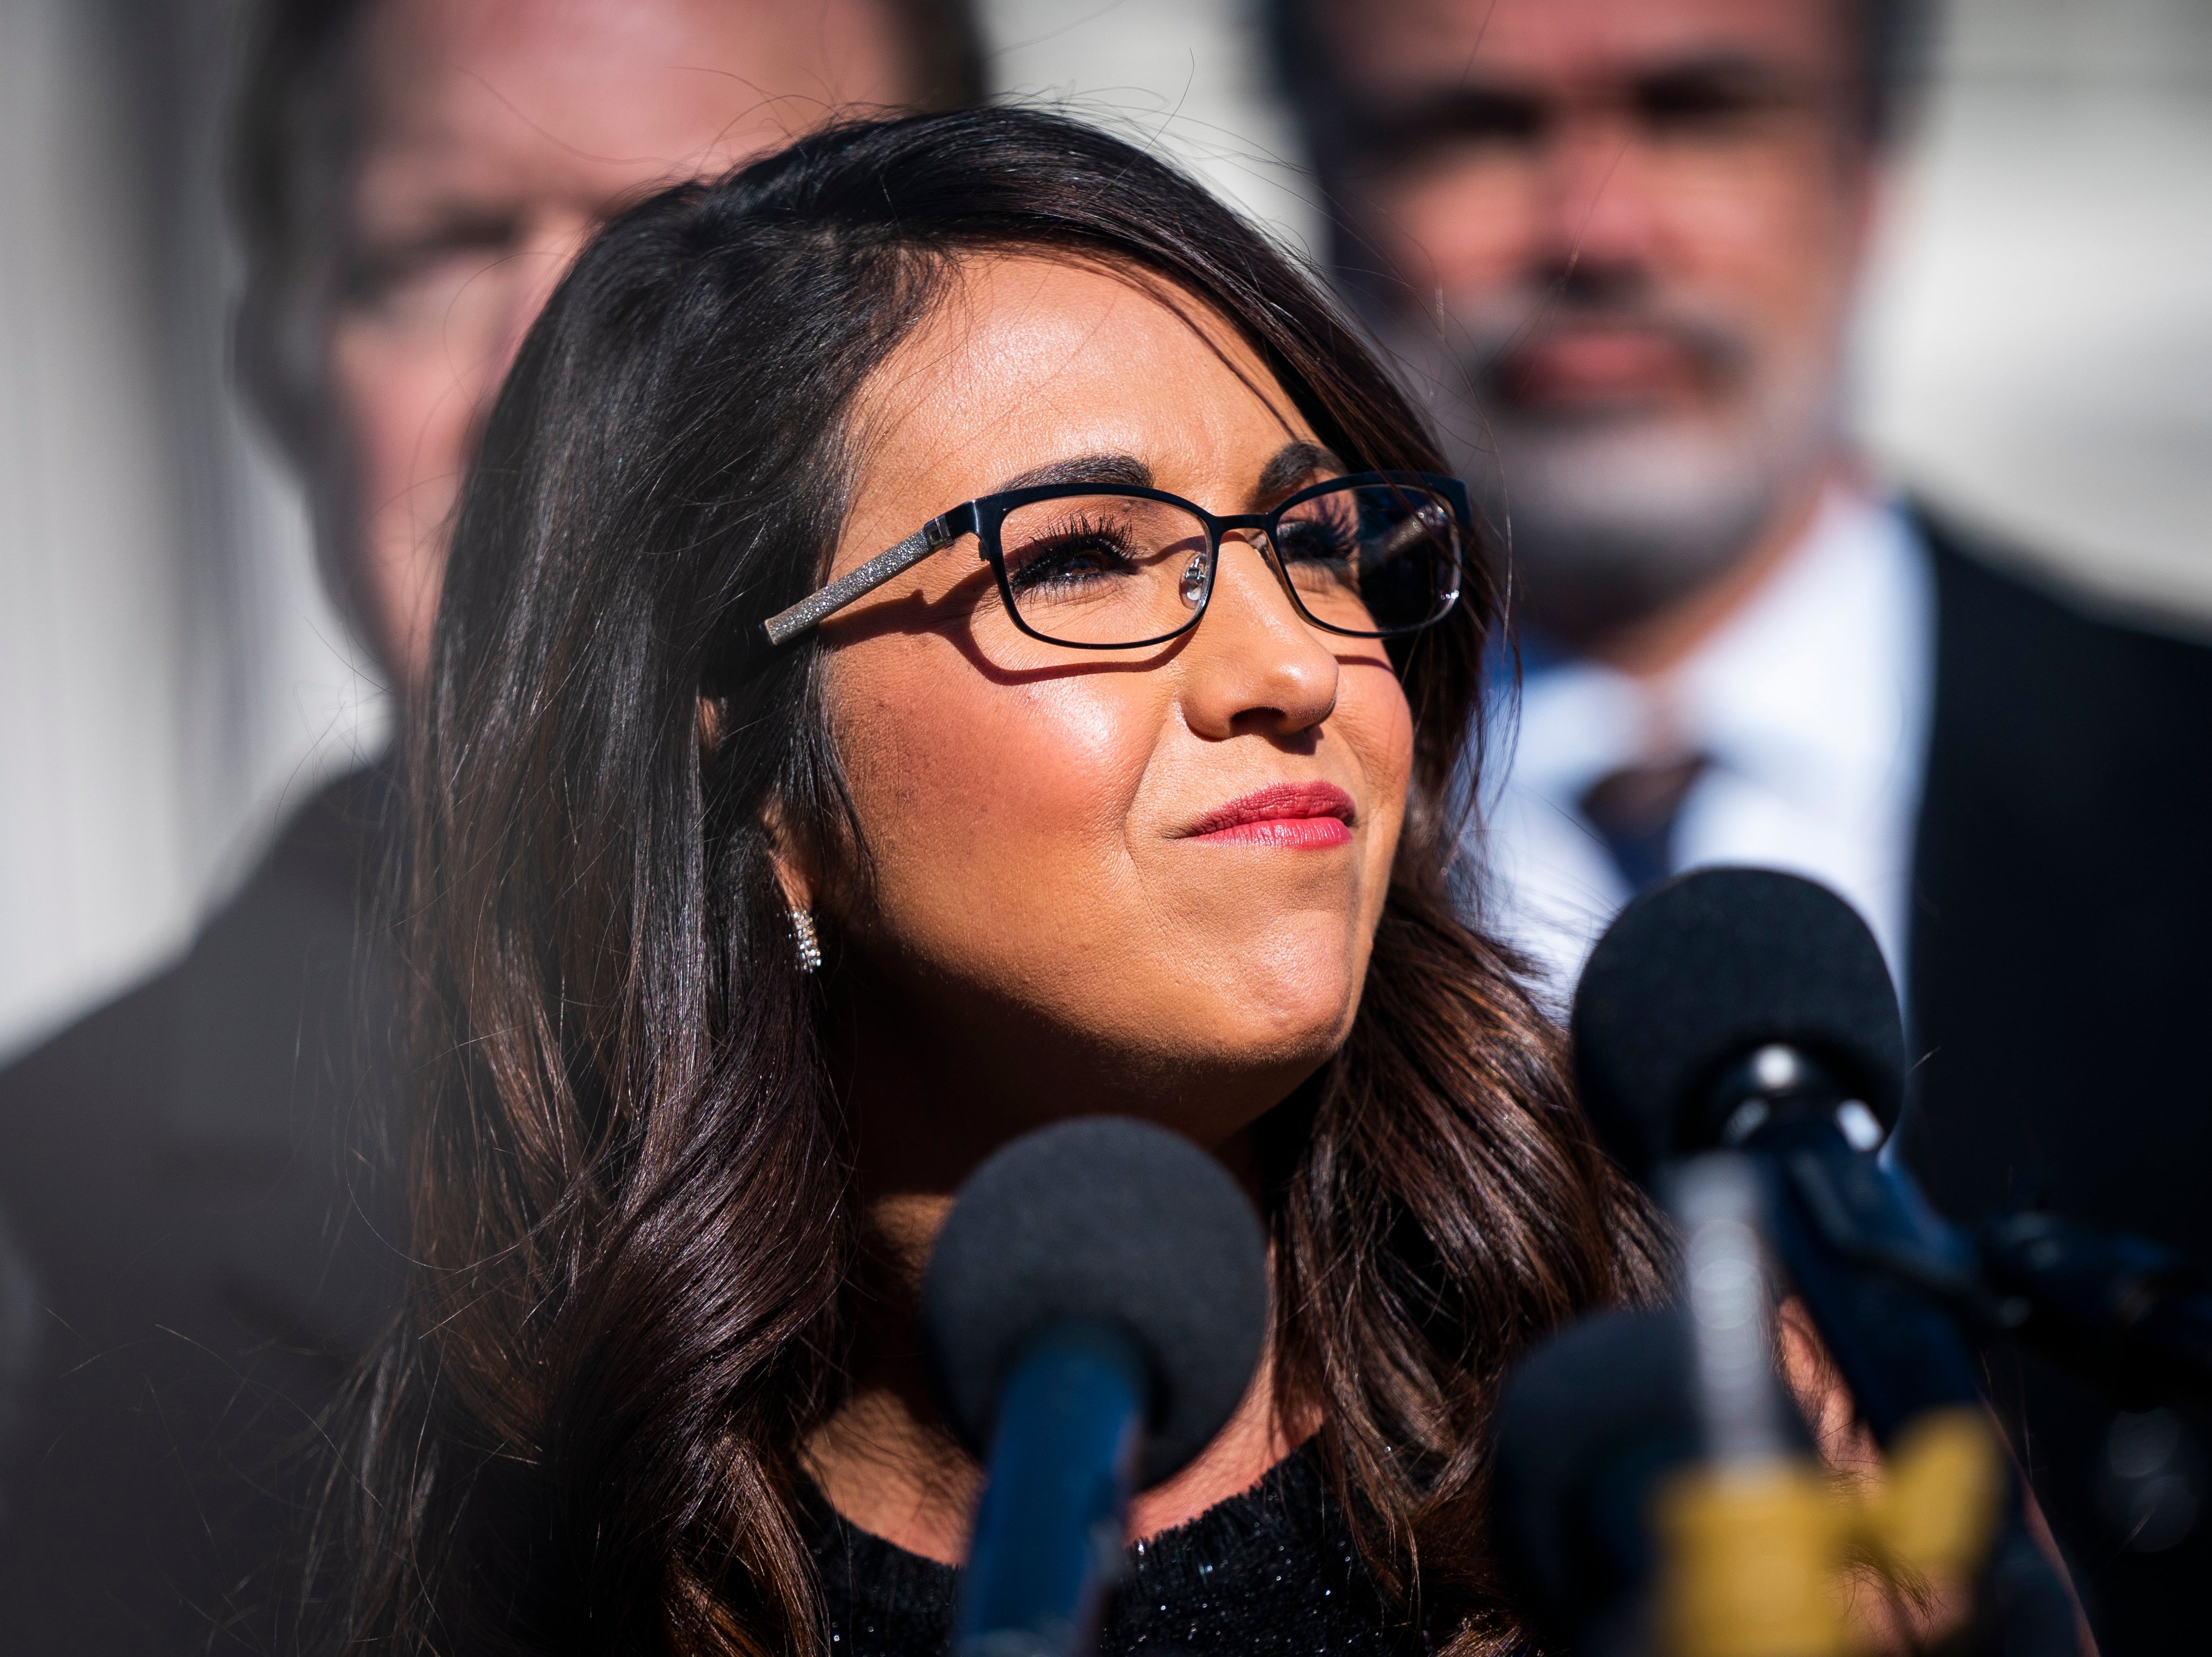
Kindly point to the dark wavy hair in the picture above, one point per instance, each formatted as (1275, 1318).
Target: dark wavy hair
(632, 1184)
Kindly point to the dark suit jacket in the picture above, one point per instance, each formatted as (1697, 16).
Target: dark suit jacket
(181, 1174)
(2061, 956)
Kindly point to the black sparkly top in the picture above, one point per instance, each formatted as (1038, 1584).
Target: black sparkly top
(1271, 1573)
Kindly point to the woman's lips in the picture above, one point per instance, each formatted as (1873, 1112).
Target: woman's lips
(1289, 814)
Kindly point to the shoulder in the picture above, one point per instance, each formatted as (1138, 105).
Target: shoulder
(2035, 689)
(1997, 618)
(219, 1049)
(197, 1244)
(2061, 895)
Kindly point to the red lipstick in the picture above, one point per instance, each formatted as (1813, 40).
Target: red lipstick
(1288, 814)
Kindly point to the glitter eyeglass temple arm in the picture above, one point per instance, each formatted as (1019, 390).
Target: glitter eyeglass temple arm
(786, 625)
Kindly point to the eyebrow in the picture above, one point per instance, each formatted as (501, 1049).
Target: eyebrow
(1122, 468)
(1285, 469)
(1291, 465)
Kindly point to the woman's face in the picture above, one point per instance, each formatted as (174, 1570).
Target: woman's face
(1058, 923)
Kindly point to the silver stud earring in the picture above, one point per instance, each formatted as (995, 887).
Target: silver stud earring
(806, 940)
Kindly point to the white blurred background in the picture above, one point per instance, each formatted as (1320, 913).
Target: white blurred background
(2038, 355)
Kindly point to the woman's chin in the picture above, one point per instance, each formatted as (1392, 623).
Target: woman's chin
(1296, 996)
(1277, 1040)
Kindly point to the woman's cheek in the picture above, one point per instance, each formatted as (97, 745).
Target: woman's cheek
(1377, 725)
(1023, 788)
(1083, 743)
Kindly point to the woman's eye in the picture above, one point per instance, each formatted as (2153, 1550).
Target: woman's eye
(1067, 559)
(1315, 541)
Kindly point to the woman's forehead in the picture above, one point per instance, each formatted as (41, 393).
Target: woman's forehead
(1029, 359)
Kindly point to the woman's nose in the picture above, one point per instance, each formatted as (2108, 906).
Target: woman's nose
(1254, 663)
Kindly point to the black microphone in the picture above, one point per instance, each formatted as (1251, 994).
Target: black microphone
(1588, 1425)
(1591, 1424)
(1749, 1010)
(1095, 1310)
(1741, 1007)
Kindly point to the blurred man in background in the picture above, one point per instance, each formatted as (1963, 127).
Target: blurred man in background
(1618, 242)
(189, 1173)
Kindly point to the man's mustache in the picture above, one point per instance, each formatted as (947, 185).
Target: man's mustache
(1485, 338)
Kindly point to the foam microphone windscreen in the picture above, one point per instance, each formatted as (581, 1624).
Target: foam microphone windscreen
(1111, 1219)
(1589, 1425)
(1701, 971)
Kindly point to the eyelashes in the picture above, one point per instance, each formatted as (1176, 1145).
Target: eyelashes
(1056, 557)
(1086, 547)
(1317, 540)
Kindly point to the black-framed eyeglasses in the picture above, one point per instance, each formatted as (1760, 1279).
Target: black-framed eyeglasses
(1113, 567)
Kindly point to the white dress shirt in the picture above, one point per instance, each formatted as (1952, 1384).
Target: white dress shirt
(1811, 704)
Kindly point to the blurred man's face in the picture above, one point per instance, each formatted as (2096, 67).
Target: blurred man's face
(1630, 229)
(498, 135)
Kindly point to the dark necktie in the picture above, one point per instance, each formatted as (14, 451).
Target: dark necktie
(1634, 810)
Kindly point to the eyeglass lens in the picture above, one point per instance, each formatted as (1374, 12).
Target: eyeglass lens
(1104, 569)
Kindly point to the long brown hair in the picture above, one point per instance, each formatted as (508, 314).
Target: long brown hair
(632, 1199)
